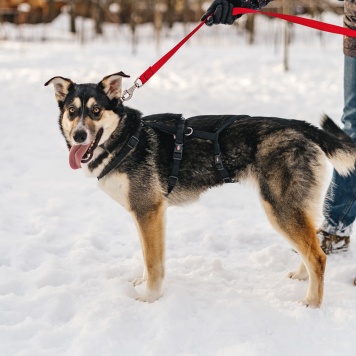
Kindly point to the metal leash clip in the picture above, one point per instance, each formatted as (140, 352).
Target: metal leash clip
(128, 93)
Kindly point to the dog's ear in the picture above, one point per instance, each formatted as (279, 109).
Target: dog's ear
(62, 86)
(112, 85)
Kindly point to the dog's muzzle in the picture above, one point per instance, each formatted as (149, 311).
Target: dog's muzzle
(83, 153)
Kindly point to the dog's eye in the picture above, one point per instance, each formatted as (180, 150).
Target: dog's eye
(96, 110)
(71, 110)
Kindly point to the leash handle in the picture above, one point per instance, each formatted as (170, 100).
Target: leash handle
(317, 25)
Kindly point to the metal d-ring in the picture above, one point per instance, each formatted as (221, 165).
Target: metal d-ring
(191, 131)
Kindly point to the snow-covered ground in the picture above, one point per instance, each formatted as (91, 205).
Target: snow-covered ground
(68, 252)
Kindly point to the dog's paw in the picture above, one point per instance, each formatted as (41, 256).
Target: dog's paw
(309, 303)
(138, 281)
(149, 297)
(301, 276)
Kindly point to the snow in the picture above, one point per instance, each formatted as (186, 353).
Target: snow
(68, 252)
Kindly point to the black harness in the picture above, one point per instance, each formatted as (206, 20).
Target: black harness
(179, 131)
(128, 147)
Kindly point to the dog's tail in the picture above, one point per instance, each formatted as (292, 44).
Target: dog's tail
(337, 146)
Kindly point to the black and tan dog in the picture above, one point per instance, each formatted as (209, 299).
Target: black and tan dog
(138, 160)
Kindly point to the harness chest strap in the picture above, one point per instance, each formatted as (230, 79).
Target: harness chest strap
(128, 147)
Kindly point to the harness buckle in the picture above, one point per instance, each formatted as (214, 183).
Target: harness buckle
(228, 180)
(218, 162)
(133, 141)
(172, 181)
(178, 151)
(190, 131)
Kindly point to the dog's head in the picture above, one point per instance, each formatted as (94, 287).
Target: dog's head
(88, 114)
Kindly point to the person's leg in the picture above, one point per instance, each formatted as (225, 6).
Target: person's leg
(349, 115)
(340, 204)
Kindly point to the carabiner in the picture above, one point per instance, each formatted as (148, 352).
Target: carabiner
(128, 93)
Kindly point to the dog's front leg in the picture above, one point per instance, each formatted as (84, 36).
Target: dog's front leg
(150, 226)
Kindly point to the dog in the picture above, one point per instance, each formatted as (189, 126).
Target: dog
(140, 163)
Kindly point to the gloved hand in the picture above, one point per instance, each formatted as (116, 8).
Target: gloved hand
(222, 12)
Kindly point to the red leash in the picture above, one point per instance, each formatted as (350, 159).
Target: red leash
(322, 26)
(150, 71)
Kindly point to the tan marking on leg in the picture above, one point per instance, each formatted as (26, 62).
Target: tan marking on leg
(151, 229)
(301, 233)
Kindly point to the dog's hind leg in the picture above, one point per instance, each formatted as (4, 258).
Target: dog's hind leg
(150, 224)
(300, 231)
(306, 243)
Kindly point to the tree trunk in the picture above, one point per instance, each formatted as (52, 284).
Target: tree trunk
(73, 15)
(288, 6)
(170, 13)
(250, 27)
(133, 26)
(99, 18)
(51, 10)
(159, 8)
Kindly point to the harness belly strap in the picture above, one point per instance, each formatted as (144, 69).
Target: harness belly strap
(214, 136)
(217, 152)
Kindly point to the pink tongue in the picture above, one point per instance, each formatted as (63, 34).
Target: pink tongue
(76, 154)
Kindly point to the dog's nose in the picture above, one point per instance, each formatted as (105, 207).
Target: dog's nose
(80, 136)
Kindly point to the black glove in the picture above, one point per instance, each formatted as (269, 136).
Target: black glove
(222, 12)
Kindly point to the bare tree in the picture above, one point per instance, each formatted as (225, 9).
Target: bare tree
(288, 8)
(159, 9)
(250, 27)
(170, 13)
(51, 10)
(99, 16)
(72, 12)
(133, 25)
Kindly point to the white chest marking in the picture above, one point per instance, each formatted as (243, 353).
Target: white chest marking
(117, 186)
